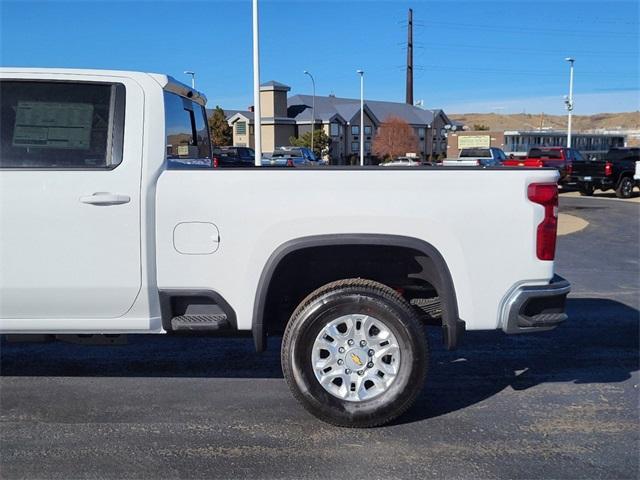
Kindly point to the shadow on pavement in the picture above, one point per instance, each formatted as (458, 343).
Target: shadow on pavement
(598, 344)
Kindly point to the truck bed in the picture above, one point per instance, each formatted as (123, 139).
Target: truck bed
(468, 214)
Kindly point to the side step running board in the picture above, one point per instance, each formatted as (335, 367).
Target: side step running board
(542, 320)
(200, 322)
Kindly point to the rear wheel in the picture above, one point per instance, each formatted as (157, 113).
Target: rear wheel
(355, 353)
(586, 189)
(625, 188)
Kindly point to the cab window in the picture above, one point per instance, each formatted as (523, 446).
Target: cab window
(61, 125)
(187, 133)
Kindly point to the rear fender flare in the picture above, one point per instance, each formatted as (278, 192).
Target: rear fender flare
(453, 327)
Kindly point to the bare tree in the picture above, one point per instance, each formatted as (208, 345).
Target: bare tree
(395, 138)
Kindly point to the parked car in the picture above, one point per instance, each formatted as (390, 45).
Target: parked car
(99, 237)
(403, 162)
(233, 157)
(616, 171)
(292, 157)
(477, 157)
(560, 158)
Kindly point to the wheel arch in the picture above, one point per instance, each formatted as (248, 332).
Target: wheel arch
(453, 326)
(625, 174)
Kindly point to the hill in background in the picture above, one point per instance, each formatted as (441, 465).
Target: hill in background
(525, 121)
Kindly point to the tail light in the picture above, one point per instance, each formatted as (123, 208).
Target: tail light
(289, 163)
(569, 168)
(216, 162)
(546, 194)
(608, 169)
(539, 164)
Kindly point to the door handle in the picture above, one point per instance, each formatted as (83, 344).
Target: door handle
(105, 198)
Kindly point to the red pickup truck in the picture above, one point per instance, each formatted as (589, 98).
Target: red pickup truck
(561, 158)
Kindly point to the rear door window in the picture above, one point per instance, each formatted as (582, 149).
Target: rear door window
(61, 125)
(246, 154)
(543, 153)
(623, 154)
(475, 152)
(187, 133)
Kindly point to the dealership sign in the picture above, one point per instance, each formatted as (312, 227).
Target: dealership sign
(474, 141)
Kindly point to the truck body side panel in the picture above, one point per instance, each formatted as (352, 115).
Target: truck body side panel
(488, 243)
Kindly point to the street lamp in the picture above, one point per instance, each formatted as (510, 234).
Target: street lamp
(361, 73)
(257, 113)
(313, 106)
(568, 101)
(193, 78)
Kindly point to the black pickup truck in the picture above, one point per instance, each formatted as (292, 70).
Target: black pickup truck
(615, 172)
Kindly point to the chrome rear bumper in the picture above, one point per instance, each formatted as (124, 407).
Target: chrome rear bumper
(535, 308)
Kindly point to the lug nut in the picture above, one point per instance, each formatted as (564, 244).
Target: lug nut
(371, 353)
(362, 343)
(340, 361)
(360, 372)
(347, 371)
(370, 365)
(350, 342)
(341, 350)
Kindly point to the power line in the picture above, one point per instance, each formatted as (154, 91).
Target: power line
(535, 51)
(514, 71)
(531, 29)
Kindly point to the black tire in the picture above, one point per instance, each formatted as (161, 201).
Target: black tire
(625, 188)
(344, 297)
(586, 189)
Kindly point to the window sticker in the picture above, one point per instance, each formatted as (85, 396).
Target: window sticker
(183, 150)
(53, 125)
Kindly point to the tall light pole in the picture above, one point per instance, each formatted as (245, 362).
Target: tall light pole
(569, 100)
(193, 78)
(361, 73)
(257, 122)
(313, 107)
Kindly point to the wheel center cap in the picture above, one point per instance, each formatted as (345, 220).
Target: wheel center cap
(356, 359)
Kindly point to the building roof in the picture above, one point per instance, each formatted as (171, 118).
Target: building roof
(328, 107)
(230, 113)
(273, 85)
(331, 108)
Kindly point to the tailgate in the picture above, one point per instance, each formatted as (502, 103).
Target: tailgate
(588, 169)
(522, 162)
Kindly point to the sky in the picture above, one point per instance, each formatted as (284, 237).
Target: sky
(469, 56)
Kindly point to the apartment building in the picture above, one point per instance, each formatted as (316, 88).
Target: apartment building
(284, 116)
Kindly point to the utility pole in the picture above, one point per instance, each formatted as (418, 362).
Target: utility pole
(569, 100)
(257, 122)
(409, 98)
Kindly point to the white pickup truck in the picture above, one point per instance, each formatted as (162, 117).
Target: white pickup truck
(113, 222)
(477, 157)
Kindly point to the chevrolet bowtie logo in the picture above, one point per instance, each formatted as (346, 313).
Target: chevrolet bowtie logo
(356, 359)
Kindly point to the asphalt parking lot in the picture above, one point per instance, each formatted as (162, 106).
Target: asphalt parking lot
(562, 404)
